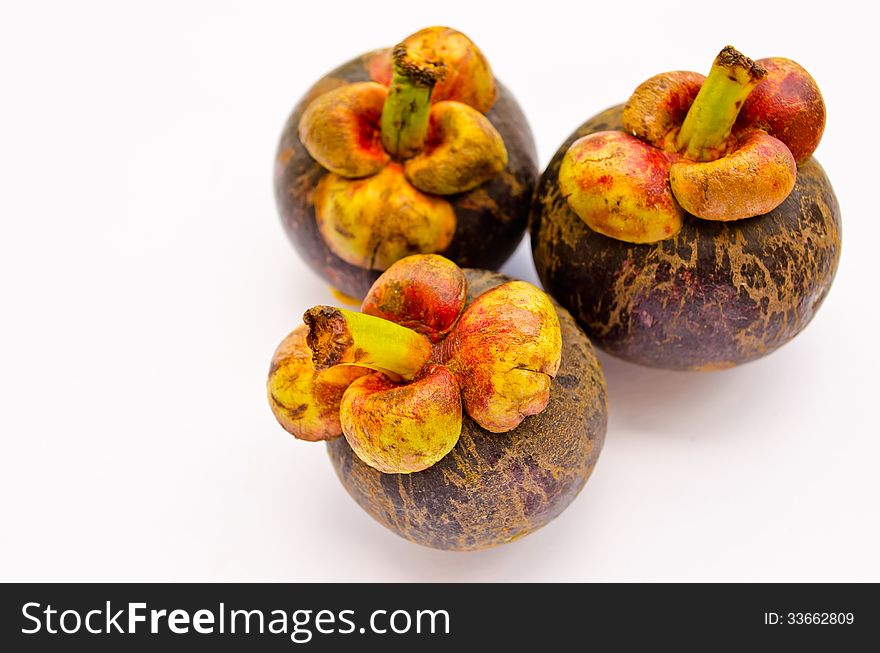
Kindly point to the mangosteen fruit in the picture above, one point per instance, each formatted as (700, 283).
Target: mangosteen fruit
(412, 150)
(691, 228)
(461, 409)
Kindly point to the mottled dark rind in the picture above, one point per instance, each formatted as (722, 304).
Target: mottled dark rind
(491, 219)
(716, 295)
(495, 487)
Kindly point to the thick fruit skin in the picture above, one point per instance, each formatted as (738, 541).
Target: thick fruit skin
(491, 218)
(715, 296)
(495, 487)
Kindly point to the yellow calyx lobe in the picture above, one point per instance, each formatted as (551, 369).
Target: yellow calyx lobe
(655, 110)
(754, 179)
(305, 401)
(402, 428)
(619, 187)
(507, 348)
(467, 77)
(373, 222)
(463, 151)
(340, 129)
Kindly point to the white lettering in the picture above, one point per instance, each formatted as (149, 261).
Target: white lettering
(247, 617)
(112, 622)
(373, 622)
(408, 621)
(298, 630)
(178, 621)
(281, 620)
(155, 615)
(70, 631)
(134, 617)
(89, 622)
(24, 612)
(49, 612)
(203, 622)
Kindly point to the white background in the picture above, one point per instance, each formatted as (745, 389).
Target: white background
(145, 281)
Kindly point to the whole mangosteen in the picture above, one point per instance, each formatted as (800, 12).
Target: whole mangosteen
(461, 409)
(412, 150)
(691, 228)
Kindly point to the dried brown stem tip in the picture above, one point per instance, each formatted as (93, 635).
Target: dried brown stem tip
(328, 336)
(415, 68)
(730, 57)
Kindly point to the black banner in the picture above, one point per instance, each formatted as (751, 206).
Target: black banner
(289, 617)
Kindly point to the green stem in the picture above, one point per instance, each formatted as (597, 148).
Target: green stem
(404, 123)
(340, 337)
(707, 126)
